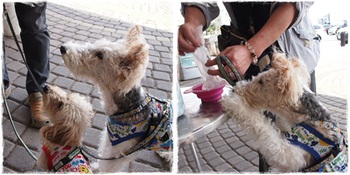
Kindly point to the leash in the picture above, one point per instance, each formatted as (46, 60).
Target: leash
(221, 61)
(90, 153)
(3, 90)
(14, 128)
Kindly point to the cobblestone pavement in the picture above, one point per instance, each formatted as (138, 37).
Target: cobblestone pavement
(155, 15)
(73, 22)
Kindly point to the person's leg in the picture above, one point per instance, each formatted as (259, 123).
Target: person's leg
(5, 76)
(36, 44)
(313, 82)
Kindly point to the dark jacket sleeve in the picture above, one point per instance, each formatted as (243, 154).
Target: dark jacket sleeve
(209, 9)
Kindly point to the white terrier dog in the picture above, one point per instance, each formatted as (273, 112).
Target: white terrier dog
(137, 119)
(70, 115)
(305, 137)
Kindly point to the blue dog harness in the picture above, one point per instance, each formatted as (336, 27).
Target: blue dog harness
(151, 121)
(329, 156)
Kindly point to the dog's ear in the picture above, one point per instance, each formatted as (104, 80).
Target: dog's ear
(287, 79)
(134, 33)
(296, 63)
(53, 134)
(284, 77)
(301, 71)
(138, 49)
(279, 62)
(61, 134)
(137, 55)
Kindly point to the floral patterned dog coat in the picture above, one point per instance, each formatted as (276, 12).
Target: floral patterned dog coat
(330, 156)
(151, 121)
(66, 160)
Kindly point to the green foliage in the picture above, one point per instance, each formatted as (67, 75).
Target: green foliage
(212, 27)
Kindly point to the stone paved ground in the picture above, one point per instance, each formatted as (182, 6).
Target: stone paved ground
(76, 23)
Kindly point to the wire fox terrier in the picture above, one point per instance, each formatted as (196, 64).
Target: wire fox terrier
(137, 120)
(70, 115)
(305, 136)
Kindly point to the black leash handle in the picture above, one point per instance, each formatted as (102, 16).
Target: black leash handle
(222, 58)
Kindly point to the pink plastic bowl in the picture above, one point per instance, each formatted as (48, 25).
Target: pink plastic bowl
(205, 95)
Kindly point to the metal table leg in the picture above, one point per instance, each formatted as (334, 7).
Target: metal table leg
(196, 157)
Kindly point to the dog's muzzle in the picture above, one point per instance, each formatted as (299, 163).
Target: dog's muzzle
(46, 88)
(63, 50)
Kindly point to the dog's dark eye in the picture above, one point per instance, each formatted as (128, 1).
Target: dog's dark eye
(99, 55)
(260, 81)
(60, 105)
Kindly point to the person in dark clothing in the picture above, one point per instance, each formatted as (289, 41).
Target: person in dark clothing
(36, 46)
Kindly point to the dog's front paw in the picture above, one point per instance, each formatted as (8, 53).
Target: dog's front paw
(94, 166)
(230, 103)
(283, 124)
(167, 156)
(235, 107)
(329, 129)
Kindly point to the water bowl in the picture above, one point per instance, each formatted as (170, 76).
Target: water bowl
(206, 96)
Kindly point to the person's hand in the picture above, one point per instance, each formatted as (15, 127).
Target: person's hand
(190, 34)
(189, 38)
(240, 57)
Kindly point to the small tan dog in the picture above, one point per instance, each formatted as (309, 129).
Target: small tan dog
(305, 137)
(70, 115)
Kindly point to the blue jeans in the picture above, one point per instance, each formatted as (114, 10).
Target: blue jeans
(36, 43)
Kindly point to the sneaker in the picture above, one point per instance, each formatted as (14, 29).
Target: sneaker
(36, 105)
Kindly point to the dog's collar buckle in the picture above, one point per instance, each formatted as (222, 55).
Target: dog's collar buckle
(67, 159)
(134, 111)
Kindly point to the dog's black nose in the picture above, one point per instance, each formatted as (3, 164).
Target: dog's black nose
(63, 50)
(46, 88)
